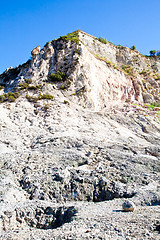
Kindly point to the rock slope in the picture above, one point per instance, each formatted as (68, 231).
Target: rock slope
(78, 136)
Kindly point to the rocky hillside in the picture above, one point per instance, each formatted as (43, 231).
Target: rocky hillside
(80, 134)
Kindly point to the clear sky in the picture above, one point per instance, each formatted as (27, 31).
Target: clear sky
(26, 24)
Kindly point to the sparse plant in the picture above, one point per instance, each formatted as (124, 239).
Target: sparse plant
(73, 37)
(153, 105)
(156, 76)
(158, 53)
(46, 107)
(40, 97)
(27, 86)
(57, 77)
(31, 98)
(133, 47)
(127, 69)
(23, 85)
(9, 97)
(29, 81)
(66, 102)
(152, 53)
(103, 40)
(45, 96)
(34, 87)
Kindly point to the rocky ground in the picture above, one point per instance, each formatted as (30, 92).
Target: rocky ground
(68, 163)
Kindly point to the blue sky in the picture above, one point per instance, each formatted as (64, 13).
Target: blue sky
(26, 24)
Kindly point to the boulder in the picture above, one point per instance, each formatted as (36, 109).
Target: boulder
(128, 206)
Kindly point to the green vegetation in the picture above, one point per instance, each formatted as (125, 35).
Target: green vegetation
(23, 85)
(73, 37)
(57, 77)
(9, 97)
(35, 87)
(26, 86)
(158, 53)
(29, 81)
(152, 53)
(153, 105)
(46, 107)
(66, 86)
(156, 76)
(104, 59)
(119, 46)
(103, 40)
(145, 72)
(40, 97)
(66, 102)
(133, 48)
(45, 96)
(127, 69)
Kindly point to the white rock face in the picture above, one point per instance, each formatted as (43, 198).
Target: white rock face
(104, 85)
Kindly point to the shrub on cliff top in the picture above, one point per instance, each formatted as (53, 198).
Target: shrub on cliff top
(152, 53)
(73, 37)
(103, 40)
(133, 48)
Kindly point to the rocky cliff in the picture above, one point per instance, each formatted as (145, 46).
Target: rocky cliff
(79, 134)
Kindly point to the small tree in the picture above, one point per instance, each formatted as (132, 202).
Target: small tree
(158, 53)
(152, 53)
(133, 48)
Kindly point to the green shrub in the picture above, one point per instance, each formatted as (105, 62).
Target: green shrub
(34, 87)
(29, 81)
(31, 98)
(103, 40)
(156, 76)
(153, 105)
(66, 102)
(127, 69)
(45, 96)
(133, 48)
(66, 86)
(57, 77)
(46, 107)
(158, 53)
(152, 53)
(23, 85)
(40, 97)
(73, 37)
(9, 97)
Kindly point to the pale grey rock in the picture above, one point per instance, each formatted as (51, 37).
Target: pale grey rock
(128, 206)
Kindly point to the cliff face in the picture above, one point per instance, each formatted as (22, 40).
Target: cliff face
(105, 74)
(76, 138)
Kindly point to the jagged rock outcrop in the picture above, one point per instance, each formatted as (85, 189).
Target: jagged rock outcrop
(74, 130)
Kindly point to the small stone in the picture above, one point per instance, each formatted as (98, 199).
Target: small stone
(128, 206)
